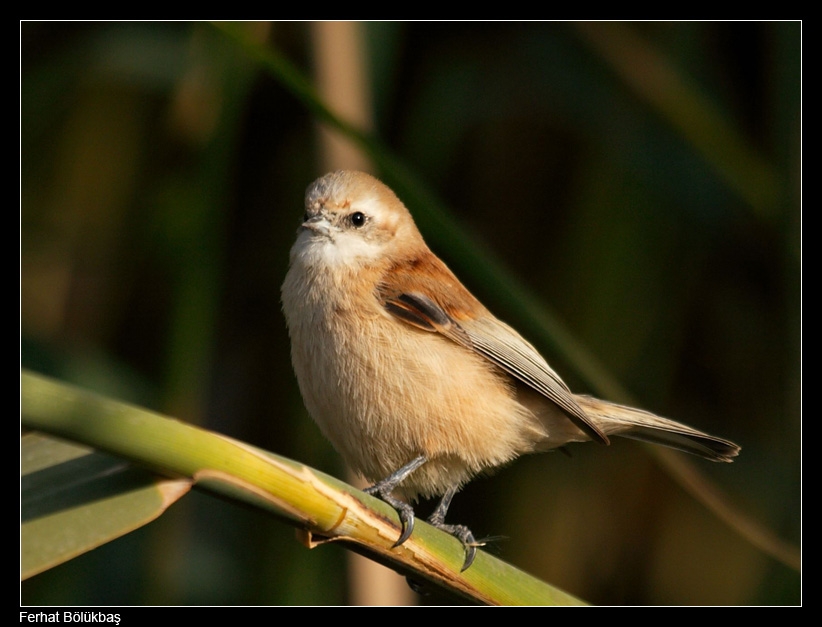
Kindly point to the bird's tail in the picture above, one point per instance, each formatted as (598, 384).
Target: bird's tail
(633, 423)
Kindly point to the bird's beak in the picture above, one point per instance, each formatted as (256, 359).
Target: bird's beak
(317, 223)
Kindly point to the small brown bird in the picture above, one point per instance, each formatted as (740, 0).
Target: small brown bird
(416, 384)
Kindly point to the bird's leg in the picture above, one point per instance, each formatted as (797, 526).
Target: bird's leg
(461, 532)
(385, 487)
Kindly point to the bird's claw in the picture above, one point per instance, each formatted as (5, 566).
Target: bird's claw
(406, 515)
(403, 509)
(383, 489)
(464, 535)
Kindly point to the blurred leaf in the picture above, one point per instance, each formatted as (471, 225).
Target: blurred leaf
(74, 499)
(690, 111)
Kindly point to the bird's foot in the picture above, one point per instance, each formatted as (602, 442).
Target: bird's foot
(383, 490)
(460, 532)
(404, 510)
(464, 535)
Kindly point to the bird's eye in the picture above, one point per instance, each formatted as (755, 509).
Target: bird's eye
(357, 219)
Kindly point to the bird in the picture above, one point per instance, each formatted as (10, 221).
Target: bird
(416, 384)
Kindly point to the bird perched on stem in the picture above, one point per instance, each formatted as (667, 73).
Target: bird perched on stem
(416, 384)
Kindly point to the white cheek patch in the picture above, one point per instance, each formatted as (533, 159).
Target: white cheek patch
(341, 249)
(350, 247)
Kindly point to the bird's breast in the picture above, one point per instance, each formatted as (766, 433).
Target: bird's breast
(384, 392)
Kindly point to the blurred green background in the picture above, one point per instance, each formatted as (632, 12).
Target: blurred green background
(642, 181)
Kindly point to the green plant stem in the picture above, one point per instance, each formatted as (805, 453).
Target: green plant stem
(308, 499)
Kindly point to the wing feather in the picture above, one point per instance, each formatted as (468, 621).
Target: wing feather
(431, 305)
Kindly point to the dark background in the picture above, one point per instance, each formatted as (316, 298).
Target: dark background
(162, 175)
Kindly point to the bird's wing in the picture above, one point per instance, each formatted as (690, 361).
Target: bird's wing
(425, 294)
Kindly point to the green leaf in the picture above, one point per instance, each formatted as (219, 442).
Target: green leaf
(74, 499)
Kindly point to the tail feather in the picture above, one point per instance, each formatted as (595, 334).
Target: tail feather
(637, 424)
